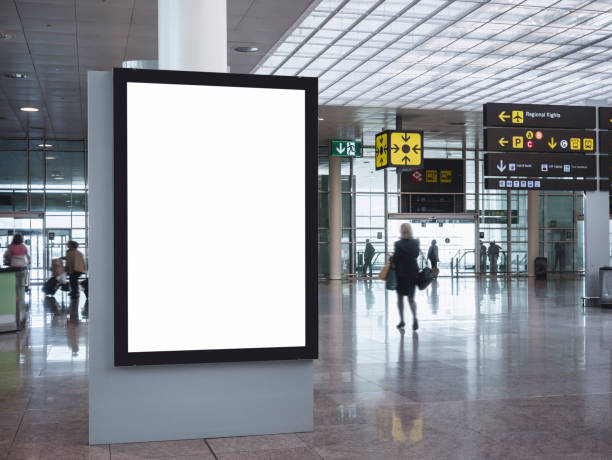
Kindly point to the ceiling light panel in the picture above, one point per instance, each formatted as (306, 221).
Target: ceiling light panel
(449, 53)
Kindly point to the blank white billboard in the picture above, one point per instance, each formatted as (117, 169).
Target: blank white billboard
(216, 222)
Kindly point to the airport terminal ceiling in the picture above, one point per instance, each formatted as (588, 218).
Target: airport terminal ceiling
(432, 54)
(54, 44)
(419, 54)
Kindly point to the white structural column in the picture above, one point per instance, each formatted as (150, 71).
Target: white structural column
(533, 230)
(596, 239)
(192, 35)
(596, 230)
(335, 218)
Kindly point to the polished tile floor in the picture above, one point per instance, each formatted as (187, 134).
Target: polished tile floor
(498, 370)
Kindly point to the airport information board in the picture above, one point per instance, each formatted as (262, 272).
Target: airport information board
(541, 165)
(539, 116)
(605, 117)
(550, 147)
(541, 184)
(215, 294)
(539, 140)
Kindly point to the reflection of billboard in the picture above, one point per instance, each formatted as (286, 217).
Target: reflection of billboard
(181, 151)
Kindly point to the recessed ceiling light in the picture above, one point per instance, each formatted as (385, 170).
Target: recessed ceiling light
(15, 75)
(45, 146)
(29, 109)
(246, 49)
(49, 158)
(4, 36)
(321, 119)
(59, 178)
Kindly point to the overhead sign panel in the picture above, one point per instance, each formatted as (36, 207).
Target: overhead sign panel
(399, 148)
(346, 148)
(539, 140)
(539, 116)
(605, 117)
(605, 141)
(543, 165)
(541, 184)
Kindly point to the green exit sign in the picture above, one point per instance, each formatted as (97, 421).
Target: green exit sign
(346, 148)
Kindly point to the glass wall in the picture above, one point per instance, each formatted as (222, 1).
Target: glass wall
(502, 214)
(45, 180)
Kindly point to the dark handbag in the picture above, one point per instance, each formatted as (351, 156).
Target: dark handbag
(391, 279)
(424, 278)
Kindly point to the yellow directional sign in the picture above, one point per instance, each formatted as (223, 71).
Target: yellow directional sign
(399, 148)
(575, 143)
(503, 116)
(382, 160)
(543, 140)
(518, 117)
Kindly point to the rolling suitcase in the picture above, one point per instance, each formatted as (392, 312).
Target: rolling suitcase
(50, 286)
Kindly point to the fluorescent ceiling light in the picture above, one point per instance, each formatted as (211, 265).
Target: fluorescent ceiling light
(29, 109)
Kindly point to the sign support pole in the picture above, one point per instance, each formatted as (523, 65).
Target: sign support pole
(533, 230)
(335, 218)
(596, 234)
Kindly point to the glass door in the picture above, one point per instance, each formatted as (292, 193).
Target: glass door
(57, 240)
(455, 238)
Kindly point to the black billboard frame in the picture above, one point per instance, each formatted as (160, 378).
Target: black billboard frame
(122, 357)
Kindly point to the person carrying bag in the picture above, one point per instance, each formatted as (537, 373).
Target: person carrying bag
(405, 254)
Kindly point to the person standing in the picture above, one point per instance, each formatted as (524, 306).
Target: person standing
(493, 254)
(17, 254)
(483, 257)
(432, 255)
(75, 267)
(367, 257)
(405, 254)
(559, 257)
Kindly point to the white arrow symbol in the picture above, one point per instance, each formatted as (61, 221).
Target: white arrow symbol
(501, 166)
(340, 149)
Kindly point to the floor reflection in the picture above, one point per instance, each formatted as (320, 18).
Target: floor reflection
(498, 369)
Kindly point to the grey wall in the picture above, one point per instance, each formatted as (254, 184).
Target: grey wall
(596, 239)
(154, 403)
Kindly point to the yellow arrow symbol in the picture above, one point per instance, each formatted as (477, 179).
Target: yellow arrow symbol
(551, 143)
(503, 116)
(503, 142)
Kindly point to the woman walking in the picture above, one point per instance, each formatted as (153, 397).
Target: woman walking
(405, 254)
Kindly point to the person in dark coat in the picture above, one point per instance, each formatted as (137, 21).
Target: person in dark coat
(405, 254)
(368, 256)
